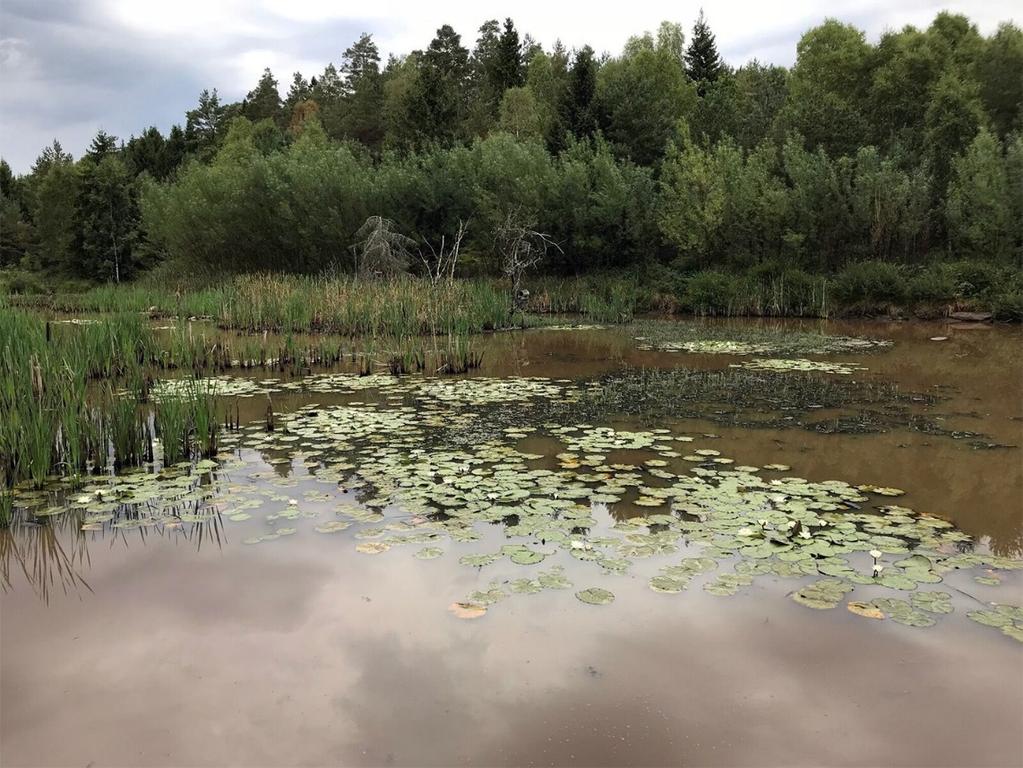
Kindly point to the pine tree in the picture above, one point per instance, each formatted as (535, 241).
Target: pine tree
(703, 64)
(263, 101)
(360, 61)
(299, 91)
(203, 123)
(361, 118)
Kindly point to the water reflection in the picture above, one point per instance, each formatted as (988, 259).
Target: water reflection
(53, 553)
(44, 561)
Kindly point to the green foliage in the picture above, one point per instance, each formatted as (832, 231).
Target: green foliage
(953, 117)
(107, 220)
(870, 286)
(979, 209)
(709, 293)
(905, 151)
(639, 99)
(827, 88)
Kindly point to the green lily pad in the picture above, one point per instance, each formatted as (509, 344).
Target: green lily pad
(934, 602)
(595, 596)
(822, 594)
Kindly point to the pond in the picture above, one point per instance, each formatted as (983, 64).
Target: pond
(714, 543)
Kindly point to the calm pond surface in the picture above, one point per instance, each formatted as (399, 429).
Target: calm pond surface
(518, 567)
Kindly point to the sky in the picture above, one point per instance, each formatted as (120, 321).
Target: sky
(71, 67)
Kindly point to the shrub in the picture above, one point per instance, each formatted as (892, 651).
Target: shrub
(869, 286)
(1008, 306)
(21, 282)
(973, 278)
(932, 285)
(709, 292)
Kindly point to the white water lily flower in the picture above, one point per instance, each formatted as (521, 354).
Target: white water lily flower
(875, 553)
(292, 503)
(804, 534)
(877, 570)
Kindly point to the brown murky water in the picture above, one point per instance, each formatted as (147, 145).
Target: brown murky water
(143, 649)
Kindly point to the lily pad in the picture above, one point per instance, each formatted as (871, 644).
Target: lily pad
(595, 596)
(467, 610)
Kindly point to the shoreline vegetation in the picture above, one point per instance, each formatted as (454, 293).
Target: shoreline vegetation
(870, 178)
(405, 306)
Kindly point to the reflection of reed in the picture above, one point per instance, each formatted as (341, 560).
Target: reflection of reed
(170, 525)
(37, 550)
(56, 553)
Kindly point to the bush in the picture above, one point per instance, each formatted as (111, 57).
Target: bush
(16, 281)
(932, 285)
(1008, 307)
(709, 293)
(869, 286)
(973, 279)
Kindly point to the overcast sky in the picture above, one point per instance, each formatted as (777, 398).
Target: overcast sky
(70, 67)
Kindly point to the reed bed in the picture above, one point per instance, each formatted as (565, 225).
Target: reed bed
(57, 421)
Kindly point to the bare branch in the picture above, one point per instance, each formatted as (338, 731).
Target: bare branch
(522, 248)
(440, 265)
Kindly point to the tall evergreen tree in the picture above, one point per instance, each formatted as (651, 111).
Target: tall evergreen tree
(53, 154)
(107, 220)
(703, 64)
(508, 70)
(264, 101)
(299, 91)
(52, 206)
(362, 115)
(203, 124)
(577, 103)
(103, 144)
(360, 60)
(436, 105)
(147, 154)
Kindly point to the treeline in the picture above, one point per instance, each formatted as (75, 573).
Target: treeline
(909, 151)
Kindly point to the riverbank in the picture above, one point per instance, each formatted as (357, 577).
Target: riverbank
(404, 306)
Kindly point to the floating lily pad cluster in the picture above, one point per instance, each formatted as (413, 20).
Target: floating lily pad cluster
(1007, 618)
(704, 504)
(577, 327)
(222, 386)
(800, 364)
(393, 476)
(723, 340)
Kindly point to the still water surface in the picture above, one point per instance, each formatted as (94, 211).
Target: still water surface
(184, 646)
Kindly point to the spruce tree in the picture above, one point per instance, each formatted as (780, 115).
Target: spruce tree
(703, 64)
(508, 60)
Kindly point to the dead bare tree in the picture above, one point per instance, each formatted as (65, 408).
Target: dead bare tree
(381, 250)
(440, 263)
(521, 248)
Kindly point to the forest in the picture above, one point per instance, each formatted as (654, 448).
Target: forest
(893, 168)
